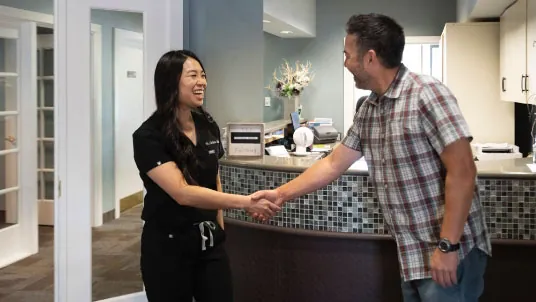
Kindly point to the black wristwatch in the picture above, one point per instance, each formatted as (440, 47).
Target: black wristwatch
(445, 246)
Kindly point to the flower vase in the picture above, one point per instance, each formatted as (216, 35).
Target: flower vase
(291, 104)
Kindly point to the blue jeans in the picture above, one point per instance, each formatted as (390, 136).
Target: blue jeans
(468, 289)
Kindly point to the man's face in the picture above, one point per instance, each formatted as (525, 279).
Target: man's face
(355, 63)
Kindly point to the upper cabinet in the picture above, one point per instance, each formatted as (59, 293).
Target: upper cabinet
(517, 52)
(531, 51)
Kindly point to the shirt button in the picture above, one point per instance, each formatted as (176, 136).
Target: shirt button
(385, 186)
(383, 160)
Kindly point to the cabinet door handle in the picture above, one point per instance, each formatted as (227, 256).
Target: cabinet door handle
(522, 82)
(502, 84)
(526, 86)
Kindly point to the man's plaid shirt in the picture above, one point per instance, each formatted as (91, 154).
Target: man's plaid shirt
(401, 134)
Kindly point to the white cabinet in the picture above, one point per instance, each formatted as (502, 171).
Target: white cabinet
(531, 51)
(518, 32)
(470, 70)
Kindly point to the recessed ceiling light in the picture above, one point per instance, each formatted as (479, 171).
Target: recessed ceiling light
(266, 21)
(286, 32)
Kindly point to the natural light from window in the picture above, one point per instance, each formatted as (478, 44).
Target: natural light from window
(421, 55)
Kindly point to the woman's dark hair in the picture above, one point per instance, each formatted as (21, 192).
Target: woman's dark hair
(379, 33)
(166, 84)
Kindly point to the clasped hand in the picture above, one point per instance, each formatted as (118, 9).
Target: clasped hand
(264, 204)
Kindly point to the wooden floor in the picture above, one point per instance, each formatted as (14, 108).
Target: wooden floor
(116, 258)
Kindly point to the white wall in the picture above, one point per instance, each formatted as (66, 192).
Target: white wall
(298, 13)
(128, 89)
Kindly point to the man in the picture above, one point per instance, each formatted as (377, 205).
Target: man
(417, 146)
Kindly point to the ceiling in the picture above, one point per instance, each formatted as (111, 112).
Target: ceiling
(489, 8)
(282, 29)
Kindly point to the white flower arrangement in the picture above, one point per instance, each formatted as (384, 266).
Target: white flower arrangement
(292, 81)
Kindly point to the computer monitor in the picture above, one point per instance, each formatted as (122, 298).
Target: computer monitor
(295, 119)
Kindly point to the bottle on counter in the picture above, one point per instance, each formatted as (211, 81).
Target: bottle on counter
(223, 139)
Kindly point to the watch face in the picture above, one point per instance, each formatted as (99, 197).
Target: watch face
(444, 246)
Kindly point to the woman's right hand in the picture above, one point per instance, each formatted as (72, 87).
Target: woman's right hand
(262, 207)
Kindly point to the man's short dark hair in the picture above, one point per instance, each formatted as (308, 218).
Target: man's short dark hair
(379, 33)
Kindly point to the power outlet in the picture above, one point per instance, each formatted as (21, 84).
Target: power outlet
(267, 101)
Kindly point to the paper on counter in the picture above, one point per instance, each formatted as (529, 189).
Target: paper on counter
(532, 167)
(361, 164)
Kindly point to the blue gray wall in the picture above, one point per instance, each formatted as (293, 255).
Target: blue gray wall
(108, 20)
(228, 37)
(277, 49)
(324, 97)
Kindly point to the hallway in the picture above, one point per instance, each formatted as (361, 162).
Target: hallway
(115, 264)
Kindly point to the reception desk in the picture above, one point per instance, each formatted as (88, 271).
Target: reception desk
(333, 245)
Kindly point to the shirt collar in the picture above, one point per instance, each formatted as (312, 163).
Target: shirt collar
(396, 87)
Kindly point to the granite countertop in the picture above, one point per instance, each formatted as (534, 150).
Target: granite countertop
(506, 168)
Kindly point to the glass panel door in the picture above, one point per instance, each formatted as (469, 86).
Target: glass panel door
(45, 127)
(18, 226)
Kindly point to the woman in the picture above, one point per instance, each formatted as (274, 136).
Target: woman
(176, 151)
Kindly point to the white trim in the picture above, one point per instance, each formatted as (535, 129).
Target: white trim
(8, 190)
(61, 219)
(96, 58)
(8, 113)
(21, 240)
(423, 39)
(9, 33)
(8, 74)
(8, 151)
(21, 15)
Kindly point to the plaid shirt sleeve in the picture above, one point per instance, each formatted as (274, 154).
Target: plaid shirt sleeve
(442, 118)
(352, 139)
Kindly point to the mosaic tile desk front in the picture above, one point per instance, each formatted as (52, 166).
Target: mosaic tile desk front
(349, 204)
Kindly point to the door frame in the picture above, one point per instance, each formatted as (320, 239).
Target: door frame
(46, 20)
(163, 30)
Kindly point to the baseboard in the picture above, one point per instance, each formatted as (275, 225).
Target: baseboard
(108, 216)
(131, 201)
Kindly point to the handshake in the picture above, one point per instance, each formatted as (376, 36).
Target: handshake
(264, 204)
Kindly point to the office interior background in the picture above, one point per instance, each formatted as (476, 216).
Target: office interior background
(77, 81)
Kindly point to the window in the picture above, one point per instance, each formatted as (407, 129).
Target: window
(423, 58)
(421, 55)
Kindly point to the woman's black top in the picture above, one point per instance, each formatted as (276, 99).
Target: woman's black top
(152, 148)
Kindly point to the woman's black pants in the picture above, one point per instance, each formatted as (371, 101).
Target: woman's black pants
(175, 268)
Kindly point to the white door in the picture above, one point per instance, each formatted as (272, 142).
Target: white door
(163, 27)
(128, 110)
(45, 128)
(18, 160)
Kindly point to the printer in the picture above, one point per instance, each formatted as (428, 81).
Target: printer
(495, 151)
(325, 134)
